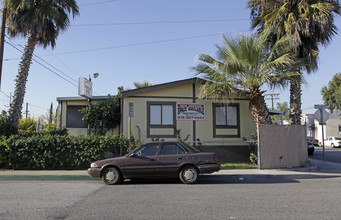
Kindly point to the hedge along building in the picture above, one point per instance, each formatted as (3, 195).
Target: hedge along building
(173, 111)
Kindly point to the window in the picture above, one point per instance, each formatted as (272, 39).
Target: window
(74, 117)
(171, 149)
(162, 114)
(148, 150)
(161, 121)
(226, 120)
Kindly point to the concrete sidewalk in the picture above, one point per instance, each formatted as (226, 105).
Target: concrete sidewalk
(315, 167)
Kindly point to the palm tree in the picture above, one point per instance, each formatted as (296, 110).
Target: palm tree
(308, 22)
(40, 21)
(243, 65)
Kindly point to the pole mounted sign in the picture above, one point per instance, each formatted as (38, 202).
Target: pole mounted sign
(84, 87)
(322, 116)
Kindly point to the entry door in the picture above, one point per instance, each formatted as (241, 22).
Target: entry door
(143, 163)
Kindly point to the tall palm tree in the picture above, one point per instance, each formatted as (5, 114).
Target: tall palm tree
(309, 23)
(243, 66)
(40, 21)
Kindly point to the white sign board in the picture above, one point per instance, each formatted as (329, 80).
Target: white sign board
(84, 87)
(190, 111)
(321, 118)
(131, 109)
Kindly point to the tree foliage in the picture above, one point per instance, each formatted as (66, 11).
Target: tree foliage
(28, 124)
(40, 21)
(6, 128)
(102, 116)
(332, 93)
(243, 65)
(310, 23)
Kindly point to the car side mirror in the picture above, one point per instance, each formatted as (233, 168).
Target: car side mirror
(133, 155)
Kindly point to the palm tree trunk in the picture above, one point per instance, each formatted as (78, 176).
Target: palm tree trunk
(295, 102)
(20, 86)
(258, 106)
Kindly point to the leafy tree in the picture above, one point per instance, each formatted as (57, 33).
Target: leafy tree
(103, 116)
(6, 128)
(283, 107)
(28, 124)
(142, 84)
(40, 21)
(242, 66)
(50, 120)
(332, 93)
(309, 23)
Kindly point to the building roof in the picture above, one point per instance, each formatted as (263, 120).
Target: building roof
(168, 85)
(80, 98)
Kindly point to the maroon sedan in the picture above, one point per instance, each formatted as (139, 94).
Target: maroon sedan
(158, 160)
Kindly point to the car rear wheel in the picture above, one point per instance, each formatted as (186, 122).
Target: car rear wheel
(189, 174)
(111, 176)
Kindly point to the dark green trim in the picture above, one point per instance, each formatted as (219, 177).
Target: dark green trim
(149, 126)
(234, 127)
(194, 121)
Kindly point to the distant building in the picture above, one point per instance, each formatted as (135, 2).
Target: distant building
(332, 127)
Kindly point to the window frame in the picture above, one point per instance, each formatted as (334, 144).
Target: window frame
(217, 127)
(150, 126)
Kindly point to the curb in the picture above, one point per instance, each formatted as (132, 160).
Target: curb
(46, 177)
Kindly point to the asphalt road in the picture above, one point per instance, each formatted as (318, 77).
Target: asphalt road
(331, 154)
(305, 196)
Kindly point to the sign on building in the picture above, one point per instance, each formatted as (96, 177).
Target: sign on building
(190, 111)
(84, 87)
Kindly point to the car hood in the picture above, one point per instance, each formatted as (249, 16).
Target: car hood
(114, 161)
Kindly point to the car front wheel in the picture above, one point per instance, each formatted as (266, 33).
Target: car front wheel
(111, 176)
(332, 145)
(189, 174)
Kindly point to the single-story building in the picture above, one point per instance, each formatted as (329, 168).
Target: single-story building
(174, 111)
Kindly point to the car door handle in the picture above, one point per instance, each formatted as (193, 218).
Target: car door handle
(179, 158)
(152, 159)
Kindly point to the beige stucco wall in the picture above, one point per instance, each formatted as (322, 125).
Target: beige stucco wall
(76, 131)
(183, 94)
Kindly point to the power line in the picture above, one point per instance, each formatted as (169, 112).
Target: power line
(160, 22)
(145, 43)
(97, 3)
(44, 66)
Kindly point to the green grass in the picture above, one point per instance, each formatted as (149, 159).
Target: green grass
(230, 166)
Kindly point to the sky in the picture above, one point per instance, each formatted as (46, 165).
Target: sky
(128, 41)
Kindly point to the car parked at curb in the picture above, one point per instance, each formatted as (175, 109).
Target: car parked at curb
(311, 148)
(332, 142)
(314, 141)
(157, 160)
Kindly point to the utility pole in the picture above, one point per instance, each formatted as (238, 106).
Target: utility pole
(273, 96)
(27, 109)
(2, 39)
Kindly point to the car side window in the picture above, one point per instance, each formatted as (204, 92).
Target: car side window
(171, 149)
(148, 150)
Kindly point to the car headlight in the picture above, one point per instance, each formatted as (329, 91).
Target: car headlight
(93, 165)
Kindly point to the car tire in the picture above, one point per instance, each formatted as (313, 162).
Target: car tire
(189, 174)
(111, 176)
(332, 145)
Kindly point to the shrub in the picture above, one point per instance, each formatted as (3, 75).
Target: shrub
(46, 151)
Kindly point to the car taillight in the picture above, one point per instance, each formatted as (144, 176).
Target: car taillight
(215, 158)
